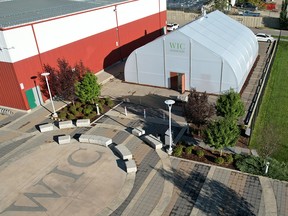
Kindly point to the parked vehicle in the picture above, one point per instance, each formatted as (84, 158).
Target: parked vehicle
(247, 6)
(172, 26)
(248, 13)
(264, 37)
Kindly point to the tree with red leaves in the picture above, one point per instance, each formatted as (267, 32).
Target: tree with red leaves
(62, 80)
(198, 110)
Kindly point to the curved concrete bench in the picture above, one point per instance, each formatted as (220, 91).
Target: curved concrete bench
(138, 131)
(83, 122)
(124, 152)
(95, 139)
(46, 127)
(104, 141)
(84, 138)
(66, 124)
(64, 139)
(153, 141)
(131, 166)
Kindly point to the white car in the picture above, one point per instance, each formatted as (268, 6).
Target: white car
(264, 37)
(172, 26)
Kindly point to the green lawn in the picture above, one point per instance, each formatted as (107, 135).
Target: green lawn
(274, 107)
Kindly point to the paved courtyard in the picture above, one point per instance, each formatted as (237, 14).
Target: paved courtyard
(40, 177)
(44, 178)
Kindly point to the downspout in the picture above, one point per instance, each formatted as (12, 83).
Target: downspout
(38, 50)
(164, 65)
(118, 42)
(190, 65)
(137, 70)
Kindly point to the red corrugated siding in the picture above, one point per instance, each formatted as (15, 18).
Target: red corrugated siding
(10, 92)
(96, 52)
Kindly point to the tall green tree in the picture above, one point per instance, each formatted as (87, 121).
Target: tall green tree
(283, 15)
(230, 104)
(222, 133)
(197, 110)
(88, 90)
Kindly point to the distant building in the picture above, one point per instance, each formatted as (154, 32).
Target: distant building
(37, 32)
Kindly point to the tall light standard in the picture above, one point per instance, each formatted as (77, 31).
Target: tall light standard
(170, 103)
(47, 83)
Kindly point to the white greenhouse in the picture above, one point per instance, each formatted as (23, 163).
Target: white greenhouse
(213, 53)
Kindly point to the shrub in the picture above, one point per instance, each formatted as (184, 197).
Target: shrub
(80, 109)
(200, 153)
(101, 101)
(229, 159)
(92, 114)
(189, 149)
(219, 160)
(256, 165)
(72, 109)
(70, 116)
(78, 104)
(88, 109)
(62, 115)
(178, 150)
(110, 104)
(101, 109)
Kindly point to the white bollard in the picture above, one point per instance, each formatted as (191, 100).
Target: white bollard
(267, 167)
(125, 111)
(144, 113)
(97, 108)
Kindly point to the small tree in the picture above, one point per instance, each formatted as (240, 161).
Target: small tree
(62, 80)
(222, 133)
(230, 105)
(88, 90)
(198, 109)
(52, 79)
(283, 15)
(269, 140)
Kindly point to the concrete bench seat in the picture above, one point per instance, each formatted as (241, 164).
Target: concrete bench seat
(131, 166)
(153, 141)
(83, 122)
(84, 138)
(46, 127)
(138, 131)
(65, 124)
(104, 141)
(64, 139)
(124, 152)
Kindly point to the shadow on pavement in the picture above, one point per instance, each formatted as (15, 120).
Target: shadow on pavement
(211, 198)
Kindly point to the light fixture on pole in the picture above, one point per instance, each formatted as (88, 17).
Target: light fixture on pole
(47, 83)
(170, 103)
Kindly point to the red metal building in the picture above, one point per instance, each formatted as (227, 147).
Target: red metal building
(37, 32)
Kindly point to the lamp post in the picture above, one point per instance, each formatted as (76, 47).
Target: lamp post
(170, 103)
(47, 83)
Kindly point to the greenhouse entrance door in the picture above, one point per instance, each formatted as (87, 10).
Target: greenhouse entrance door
(177, 81)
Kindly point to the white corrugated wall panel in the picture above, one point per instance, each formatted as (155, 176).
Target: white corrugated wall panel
(20, 43)
(127, 13)
(4, 54)
(69, 29)
(163, 5)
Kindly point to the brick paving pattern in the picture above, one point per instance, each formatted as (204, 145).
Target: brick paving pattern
(281, 193)
(146, 166)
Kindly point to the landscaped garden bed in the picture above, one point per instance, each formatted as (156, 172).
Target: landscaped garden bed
(80, 110)
(197, 153)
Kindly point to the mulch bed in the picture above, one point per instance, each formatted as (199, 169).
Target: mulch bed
(208, 158)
